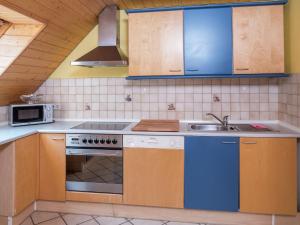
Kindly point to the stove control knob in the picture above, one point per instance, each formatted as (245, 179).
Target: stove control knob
(114, 141)
(102, 141)
(96, 141)
(90, 141)
(84, 141)
(108, 141)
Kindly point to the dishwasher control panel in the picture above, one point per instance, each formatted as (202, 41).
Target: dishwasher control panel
(145, 141)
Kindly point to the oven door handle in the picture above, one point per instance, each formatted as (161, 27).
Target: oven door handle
(91, 152)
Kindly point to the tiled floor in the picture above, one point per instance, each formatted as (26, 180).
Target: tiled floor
(49, 218)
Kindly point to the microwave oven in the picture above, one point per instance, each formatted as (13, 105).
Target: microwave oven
(29, 114)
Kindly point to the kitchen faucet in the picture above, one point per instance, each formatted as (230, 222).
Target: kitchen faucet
(224, 122)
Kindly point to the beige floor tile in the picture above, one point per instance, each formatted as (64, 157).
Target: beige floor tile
(73, 219)
(90, 222)
(103, 220)
(180, 223)
(146, 222)
(27, 222)
(39, 217)
(56, 221)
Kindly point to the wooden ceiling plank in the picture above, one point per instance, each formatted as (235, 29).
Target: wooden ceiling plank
(93, 6)
(6, 50)
(14, 17)
(65, 14)
(61, 17)
(25, 61)
(33, 53)
(46, 47)
(81, 10)
(27, 69)
(24, 29)
(4, 26)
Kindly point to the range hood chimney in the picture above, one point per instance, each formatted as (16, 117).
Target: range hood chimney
(108, 52)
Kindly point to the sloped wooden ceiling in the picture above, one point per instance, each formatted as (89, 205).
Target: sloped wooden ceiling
(67, 23)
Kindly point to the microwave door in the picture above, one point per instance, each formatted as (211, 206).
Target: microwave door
(28, 114)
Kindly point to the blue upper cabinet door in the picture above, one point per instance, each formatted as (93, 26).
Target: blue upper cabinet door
(211, 179)
(208, 41)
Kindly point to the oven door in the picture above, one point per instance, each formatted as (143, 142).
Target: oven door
(94, 170)
(22, 115)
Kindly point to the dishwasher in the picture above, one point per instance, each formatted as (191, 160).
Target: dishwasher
(154, 170)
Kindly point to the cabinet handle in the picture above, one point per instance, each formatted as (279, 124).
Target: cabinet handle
(174, 71)
(57, 139)
(242, 69)
(228, 142)
(250, 143)
(192, 70)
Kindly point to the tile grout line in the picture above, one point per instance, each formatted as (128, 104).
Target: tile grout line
(62, 218)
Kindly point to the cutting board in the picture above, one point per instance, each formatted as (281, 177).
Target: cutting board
(157, 126)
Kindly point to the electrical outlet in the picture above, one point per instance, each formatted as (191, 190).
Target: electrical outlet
(56, 106)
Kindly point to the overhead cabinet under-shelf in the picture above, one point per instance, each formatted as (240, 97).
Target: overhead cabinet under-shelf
(221, 41)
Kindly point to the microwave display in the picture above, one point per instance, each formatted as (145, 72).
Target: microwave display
(28, 114)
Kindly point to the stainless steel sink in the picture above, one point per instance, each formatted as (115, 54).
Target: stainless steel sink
(209, 127)
(231, 127)
(249, 128)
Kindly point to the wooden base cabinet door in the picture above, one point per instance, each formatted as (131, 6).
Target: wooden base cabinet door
(26, 172)
(153, 177)
(52, 167)
(156, 43)
(268, 175)
(258, 39)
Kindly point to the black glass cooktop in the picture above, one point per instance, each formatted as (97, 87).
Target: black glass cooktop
(102, 126)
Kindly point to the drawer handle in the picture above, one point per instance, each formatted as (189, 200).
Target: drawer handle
(242, 69)
(228, 142)
(192, 70)
(250, 143)
(57, 139)
(174, 71)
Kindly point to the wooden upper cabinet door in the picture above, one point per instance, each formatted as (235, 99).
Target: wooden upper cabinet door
(156, 43)
(268, 175)
(258, 39)
(154, 177)
(26, 166)
(52, 167)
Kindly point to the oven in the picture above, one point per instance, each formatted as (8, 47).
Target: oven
(94, 163)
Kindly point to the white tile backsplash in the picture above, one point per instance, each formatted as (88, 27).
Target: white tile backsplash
(104, 98)
(289, 100)
(3, 114)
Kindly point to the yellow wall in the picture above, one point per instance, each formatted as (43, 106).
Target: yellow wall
(292, 36)
(65, 70)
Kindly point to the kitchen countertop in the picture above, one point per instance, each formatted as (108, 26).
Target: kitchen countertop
(8, 133)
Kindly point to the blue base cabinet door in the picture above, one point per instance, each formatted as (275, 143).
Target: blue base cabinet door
(208, 41)
(211, 173)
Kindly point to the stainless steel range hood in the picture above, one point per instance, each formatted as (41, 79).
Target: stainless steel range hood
(108, 52)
